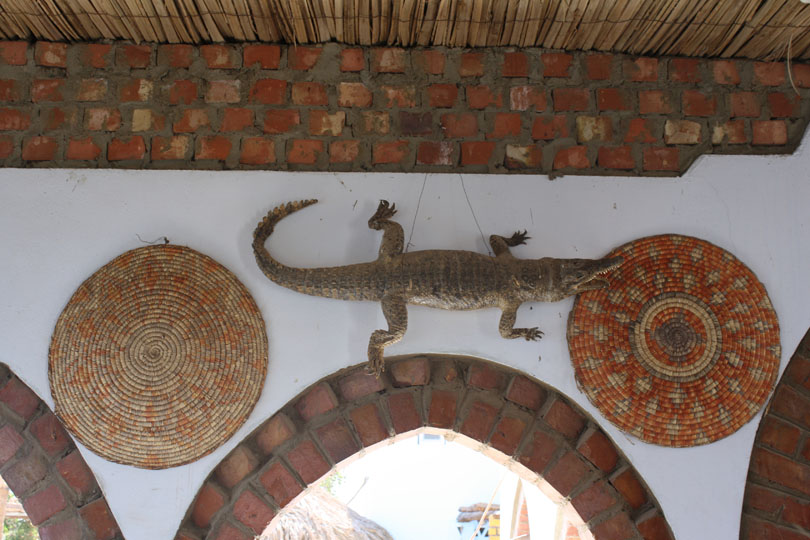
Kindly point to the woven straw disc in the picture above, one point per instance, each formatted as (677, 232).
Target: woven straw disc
(682, 349)
(158, 358)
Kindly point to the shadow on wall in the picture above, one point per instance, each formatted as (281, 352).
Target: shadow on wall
(543, 437)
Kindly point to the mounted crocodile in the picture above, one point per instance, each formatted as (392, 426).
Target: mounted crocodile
(444, 279)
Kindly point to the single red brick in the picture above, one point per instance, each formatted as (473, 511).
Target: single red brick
(779, 435)
(308, 462)
(95, 55)
(571, 99)
(236, 466)
(50, 54)
(236, 119)
(9, 90)
(354, 94)
(275, 432)
(388, 60)
(404, 416)
(769, 132)
(790, 403)
(19, 398)
(567, 473)
(6, 146)
(14, 120)
(472, 65)
(523, 97)
(696, 103)
(280, 484)
(47, 90)
(594, 128)
(642, 130)
(136, 90)
(801, 75)
(121, 149)
(359, 384)
(682, 132)
(556, 64)
(44, 504)
(611, 99)
(660, 159)
(598, 67)
(176, 55)
(745, 104)
(459, 125)
(257, 151)
(268, 91)
(654, 527)
(343, 151)
(82, 149)
(523, 156)
(731, 132)
(476, 152)
(182, 91)
(526, 393)
(684, 70)
(368, 424)
(641, 69)
(191, 120)
(507, 434)
(630, 488)
(539, 453)
(442, 95)
(92, 90)
(100, 520)
(390, 152)
(303, 58)
(783, 105)
(13, 53)
(147, 120)
(597, 498)
(25, 473)
(481, 97)
(485, 376)
(442, 412)
(620, 157)
(208, 502)
(515, 64)
(435, 153)
(337, 440)
(323, 123)
(280, 120)
(10, 442)
(76, 473)
(135, 56)
(352, 60)
(618, 527)
(755, 529)
(598, 449)
(415, 123)
(174, 147)
(267, 56)
(223, 92)
(40, 148)
(62, 530)
(57, 118)
(479, 421)
(725, 72)
(575, 157)
(309, 93)
(769, 73)
(654, 102)
(219, 56)
(252, 511)
(399, 96)
(505, 125)
(431, 61)
(102, 119)
(550, 127)
(304, 151)
(414, 371)
(561, 417)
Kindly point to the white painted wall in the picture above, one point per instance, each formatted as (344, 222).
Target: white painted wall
(60, 226)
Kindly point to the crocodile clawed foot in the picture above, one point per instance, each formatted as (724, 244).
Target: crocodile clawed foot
(376, 362)
(384, 212)
(533, 334)
(518, 238)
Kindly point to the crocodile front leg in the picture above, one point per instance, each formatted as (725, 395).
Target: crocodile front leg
(500, 244)
(393, 241)
(507, 324)
(396, 315)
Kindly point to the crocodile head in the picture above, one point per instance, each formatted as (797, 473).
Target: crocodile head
(580, 275)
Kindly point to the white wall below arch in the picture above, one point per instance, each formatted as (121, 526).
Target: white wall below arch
(60, 226)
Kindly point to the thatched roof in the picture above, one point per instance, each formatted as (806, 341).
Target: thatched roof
(317, 514)
(764, 29)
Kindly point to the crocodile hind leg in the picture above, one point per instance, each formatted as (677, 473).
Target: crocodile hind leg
(393, 241)
(396, 315)
(507, 325)
(501, 244)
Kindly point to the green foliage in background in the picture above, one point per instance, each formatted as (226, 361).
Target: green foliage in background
(19, 529)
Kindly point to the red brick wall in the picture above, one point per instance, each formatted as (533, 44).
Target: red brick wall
(43, 468)
(251, 106)
(777, 495)
(337, 417)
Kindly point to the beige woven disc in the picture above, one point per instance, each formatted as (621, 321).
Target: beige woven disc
(158, 358)
(682, 348)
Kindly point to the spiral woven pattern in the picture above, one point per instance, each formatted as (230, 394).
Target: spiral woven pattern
(682, 349)
(158, 358)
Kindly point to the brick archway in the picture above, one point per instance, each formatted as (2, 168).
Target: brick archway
(44, 469)
(541, 430)
(777, 492)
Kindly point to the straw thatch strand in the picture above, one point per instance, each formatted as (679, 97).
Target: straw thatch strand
(759, 29)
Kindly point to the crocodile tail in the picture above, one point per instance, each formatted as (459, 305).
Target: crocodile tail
(283, 275)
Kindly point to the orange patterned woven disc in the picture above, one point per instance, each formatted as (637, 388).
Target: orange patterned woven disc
(158, 358)
(682, 349)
